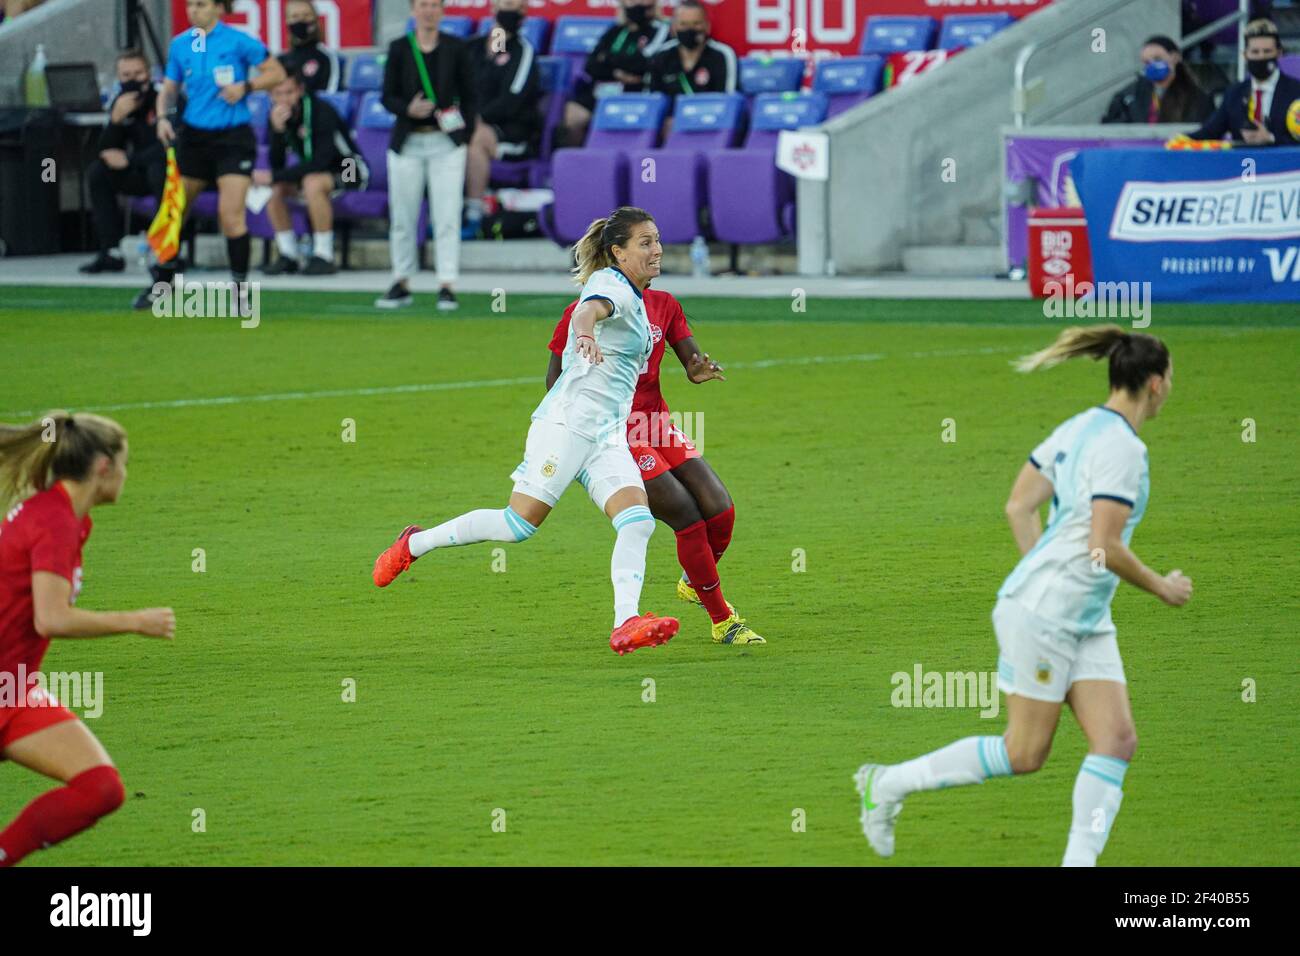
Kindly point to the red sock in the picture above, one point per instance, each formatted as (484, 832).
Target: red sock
(696, 558)
(53, 817)
(720, 526)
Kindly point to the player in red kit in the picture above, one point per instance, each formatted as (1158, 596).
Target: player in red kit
(685, 493)
(60, 467)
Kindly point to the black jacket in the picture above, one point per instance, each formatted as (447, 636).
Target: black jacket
(451, 74)
(1188, 104)
(331, 144)
(623, 48)
(137, 133)
(1230, 117)
(716, 71)
(508, 85)
(317, 64)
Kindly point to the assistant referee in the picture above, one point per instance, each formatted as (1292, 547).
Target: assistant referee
(215, 141)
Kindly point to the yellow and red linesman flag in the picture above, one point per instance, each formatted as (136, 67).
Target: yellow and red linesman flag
(165, 232)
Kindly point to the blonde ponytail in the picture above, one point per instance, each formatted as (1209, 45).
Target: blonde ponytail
(1094, 341)
(589, 254)
(58, 445)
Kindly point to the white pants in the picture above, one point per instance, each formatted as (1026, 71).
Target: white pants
(1036, 659)
(429, 160)
(555, 456)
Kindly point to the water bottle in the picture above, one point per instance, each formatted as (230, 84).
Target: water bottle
(36, 91)
(142, 252)
(305, 247)
(700, 258)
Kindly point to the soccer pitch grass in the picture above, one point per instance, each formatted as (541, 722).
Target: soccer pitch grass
(478, 690)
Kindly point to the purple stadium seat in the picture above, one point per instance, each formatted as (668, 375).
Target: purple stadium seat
(575, 38)
(536, 172)
(536, 30)
(1290, 64)
(591, 181)
(373, 125)
(750, 200)
(766, 75)
(366, 72)
(887, 35)
(848, 81)
(702, 123)
(971, 29)
(341, 102)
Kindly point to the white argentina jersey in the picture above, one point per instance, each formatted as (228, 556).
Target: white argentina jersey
(1096, 454)
(594, 400)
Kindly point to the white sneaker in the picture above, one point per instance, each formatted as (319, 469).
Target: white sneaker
(877, 818)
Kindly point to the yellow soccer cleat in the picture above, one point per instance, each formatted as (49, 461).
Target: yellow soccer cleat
(734, 630)
(687, 593)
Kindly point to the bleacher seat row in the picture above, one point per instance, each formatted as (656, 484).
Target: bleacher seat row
(719, 156)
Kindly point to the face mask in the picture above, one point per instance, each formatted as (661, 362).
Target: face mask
(690, 39)
(509, 20)
(132, 86)
(638, 14)
(1157, 71)
(302, 30)
(1262, 69)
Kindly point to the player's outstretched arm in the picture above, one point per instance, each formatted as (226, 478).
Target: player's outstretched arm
(585, 317)
(1108, 518)
(699, 367)
(1030, 492)
(56, 617)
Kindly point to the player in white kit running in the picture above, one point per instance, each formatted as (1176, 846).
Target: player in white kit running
(579, 430)
(1056, 640)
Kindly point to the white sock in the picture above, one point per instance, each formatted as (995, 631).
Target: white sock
(287, 243)
(323, 245)
(486, 524)
(966, 761)
(1098, 792)
(627, 565)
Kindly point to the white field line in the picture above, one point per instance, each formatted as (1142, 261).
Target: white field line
(488, 383)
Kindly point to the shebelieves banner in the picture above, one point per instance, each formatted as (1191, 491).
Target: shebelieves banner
(1218, 226)
(343, 22)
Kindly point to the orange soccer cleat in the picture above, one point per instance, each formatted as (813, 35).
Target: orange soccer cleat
(395, 559)
(644, 630)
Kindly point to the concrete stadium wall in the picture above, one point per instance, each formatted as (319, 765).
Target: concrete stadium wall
(887, 157)
(73, 31)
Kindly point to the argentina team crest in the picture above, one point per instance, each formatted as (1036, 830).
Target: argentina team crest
(1293, 119)
(548, 469)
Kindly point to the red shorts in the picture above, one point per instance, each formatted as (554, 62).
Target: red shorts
(656, 460)
(19, 722)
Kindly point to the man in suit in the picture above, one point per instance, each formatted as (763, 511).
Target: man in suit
(1265, 109)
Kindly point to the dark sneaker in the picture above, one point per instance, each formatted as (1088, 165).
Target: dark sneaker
(145, 298)
(397, 297)
(318, 266)
(104, 262)
(283, 266)
(447, 300)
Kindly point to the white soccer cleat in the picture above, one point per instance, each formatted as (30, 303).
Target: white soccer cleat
(877, 817)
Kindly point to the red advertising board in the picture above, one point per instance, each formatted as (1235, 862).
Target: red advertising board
(343, 22)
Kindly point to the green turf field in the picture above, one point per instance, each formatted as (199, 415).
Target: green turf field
(478, 690)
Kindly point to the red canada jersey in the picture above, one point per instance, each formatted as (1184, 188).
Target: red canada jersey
(39, 534)
(667, 327)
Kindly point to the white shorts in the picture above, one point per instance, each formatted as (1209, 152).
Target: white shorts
(555, 456)
(1040, 660)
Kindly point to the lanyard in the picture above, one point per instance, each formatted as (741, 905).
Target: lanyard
(306, 122)
(424, 70)
(618, 42)
(686, 84)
